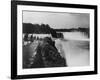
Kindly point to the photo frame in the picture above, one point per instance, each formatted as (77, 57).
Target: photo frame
(75, 25)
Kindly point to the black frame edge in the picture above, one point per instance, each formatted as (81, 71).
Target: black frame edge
(56, 75)
(13, 40)
(96, 39)
(52, 4)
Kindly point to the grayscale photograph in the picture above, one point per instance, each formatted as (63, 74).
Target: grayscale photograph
(55, 39)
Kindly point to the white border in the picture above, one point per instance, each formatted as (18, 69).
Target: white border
(21, 71)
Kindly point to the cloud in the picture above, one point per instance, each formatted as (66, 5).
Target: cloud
(57, 20)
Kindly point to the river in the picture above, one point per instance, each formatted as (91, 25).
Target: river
(75, 49)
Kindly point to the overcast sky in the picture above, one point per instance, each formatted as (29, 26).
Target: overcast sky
(57, 20)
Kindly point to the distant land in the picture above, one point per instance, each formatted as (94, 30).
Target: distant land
(79, 29)
(46, 29)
